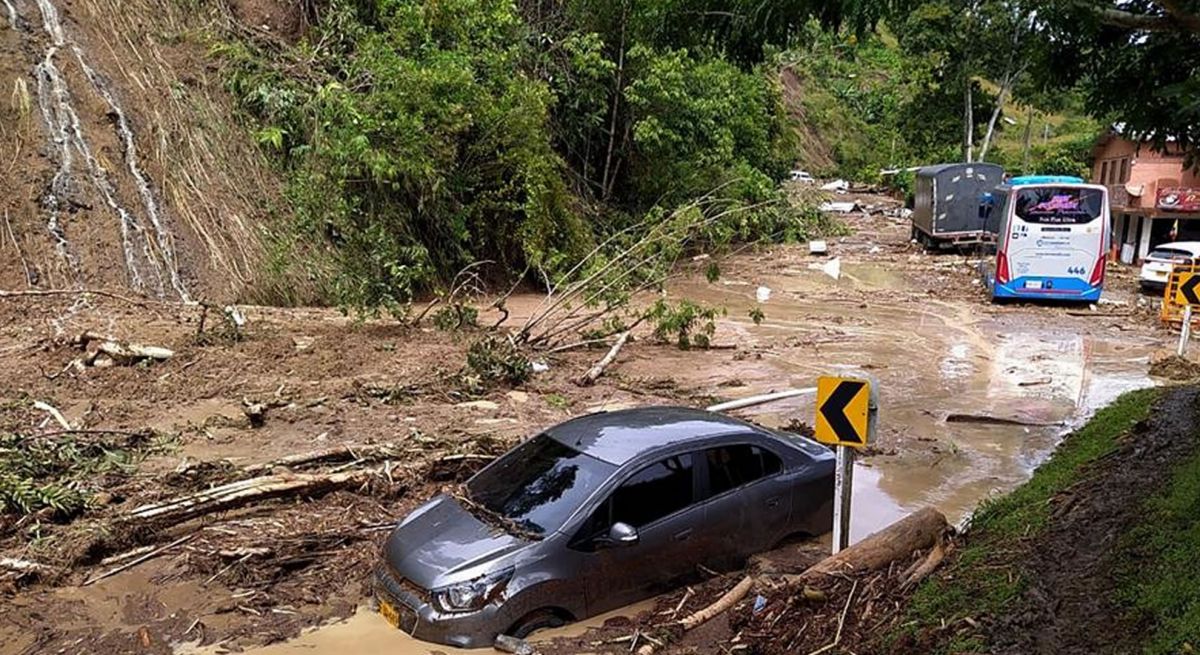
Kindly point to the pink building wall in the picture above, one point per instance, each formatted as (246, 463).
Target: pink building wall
(1146, 168)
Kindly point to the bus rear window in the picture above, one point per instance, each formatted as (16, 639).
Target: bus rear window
(1059, 205)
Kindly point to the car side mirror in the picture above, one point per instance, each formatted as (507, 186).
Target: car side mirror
(622, 534)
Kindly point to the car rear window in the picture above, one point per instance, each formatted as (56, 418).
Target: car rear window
(1171, 254)
(539, 484)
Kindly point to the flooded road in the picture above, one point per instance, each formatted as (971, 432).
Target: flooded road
(971, 399)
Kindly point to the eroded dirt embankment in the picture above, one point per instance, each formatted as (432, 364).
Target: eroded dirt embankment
(124, 166)
(1073, 603)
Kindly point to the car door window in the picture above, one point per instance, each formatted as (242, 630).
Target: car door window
(654, 492)
(730, 467)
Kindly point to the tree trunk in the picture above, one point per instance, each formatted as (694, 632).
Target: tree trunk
(242, 493)
(991, 128)
(917, 531)
(968, 123)
(1028, 138)
(596, 371)
(616, 103)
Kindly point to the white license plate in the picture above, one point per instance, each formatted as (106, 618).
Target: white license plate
(1033, 284)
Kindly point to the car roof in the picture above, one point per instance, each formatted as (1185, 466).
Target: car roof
(1190, 246)
(620, 436)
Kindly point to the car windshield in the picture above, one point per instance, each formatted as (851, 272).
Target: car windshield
(538, 484)
(1170, 254)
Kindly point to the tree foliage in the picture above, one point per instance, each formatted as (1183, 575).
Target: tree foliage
(1139, 64)
(422, 136)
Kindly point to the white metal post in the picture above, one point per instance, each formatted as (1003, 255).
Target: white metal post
(843, 483)
(1185, 332)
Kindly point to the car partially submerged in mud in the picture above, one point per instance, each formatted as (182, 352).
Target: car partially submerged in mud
(596, 513)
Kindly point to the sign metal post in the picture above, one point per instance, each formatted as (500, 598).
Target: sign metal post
(1185, 331)
(846, 415)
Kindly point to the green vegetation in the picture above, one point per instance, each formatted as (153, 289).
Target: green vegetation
(987, 577)
(494, 360)
(876, 102)
(61, 473)
(688, 324)
(1160, 582)
(421, 137)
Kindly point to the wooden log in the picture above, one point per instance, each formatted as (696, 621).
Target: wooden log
(915, 532)
(705, 614)
(760, 400)
(138, 560)
(24, 566)
(596, 371)
(924, 567)
(244, 492)
(121, 352)
(723, 603)
(361, 452)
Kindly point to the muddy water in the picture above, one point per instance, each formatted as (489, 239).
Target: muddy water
(933, 358)
(366, 633)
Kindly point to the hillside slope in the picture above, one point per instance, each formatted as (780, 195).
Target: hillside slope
(123, 162)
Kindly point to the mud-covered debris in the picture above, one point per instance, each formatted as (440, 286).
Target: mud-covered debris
(507, 644)
(988, 419)
(1174, 367)
(482, 405)
(256, 413)
(24, 566)
(101, 351)
(303, 343)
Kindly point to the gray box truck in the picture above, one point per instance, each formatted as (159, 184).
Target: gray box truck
(951, 203)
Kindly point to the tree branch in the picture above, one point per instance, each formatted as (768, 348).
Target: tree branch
(1176, 18)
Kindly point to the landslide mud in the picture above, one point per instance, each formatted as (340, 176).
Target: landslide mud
(916, 323)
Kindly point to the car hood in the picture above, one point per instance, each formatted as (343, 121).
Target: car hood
(441, 543)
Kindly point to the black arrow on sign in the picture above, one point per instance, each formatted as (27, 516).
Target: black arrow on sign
(1190, 291)
(834, 411)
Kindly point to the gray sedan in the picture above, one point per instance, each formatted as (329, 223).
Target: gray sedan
(596, 513)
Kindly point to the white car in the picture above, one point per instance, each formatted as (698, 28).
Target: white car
(1156, 267)
(803, 177)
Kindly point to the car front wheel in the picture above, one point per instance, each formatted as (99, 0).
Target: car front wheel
(538, 620)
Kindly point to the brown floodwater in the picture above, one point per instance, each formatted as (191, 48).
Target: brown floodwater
(367, 633)
(931, 356)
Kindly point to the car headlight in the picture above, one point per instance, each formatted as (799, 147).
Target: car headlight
(473, 595)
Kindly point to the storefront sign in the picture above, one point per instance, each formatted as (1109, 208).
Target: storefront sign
(1179, 199)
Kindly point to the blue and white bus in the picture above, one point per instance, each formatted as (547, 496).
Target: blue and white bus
(1051, 236)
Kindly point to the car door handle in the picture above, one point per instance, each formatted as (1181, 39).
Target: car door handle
(683, 535)
(773, 501)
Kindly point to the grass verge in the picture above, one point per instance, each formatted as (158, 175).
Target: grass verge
(987, 578)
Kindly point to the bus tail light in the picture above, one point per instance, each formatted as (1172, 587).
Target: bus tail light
(1002, 268)
(1098, 273)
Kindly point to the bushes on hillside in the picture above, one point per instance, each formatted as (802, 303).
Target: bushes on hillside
(419, 137)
